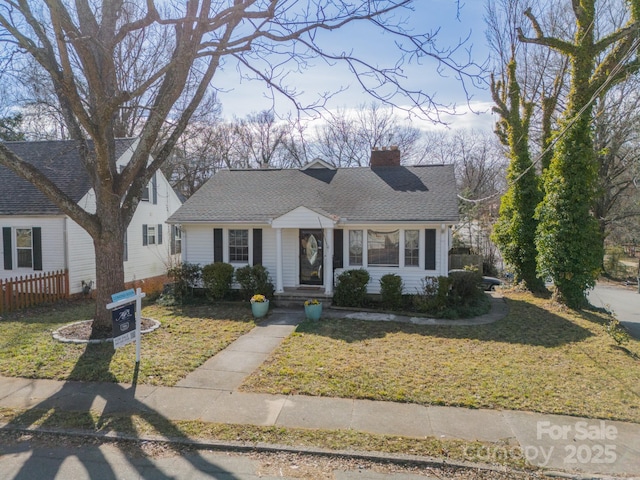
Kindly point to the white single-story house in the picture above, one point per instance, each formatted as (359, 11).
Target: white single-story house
(38, 237)
(308, 225)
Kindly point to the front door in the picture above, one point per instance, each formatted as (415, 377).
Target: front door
(311, 244)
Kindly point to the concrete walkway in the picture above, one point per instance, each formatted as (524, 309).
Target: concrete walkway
(227, 370)
(210, 394)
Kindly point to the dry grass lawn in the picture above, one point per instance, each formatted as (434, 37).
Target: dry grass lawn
(187, 338)
(539, 358)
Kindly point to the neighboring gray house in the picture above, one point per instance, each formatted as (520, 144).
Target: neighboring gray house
(308, 225)
(37, 237)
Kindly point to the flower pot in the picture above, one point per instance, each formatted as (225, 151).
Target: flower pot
(313, 312)
(260, 309)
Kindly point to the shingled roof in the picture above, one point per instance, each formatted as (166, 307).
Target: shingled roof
(60, 161)
(368, 195)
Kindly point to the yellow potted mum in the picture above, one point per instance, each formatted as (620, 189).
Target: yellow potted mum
(313, 309)
(259, 305)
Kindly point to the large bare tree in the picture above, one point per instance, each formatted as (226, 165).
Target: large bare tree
(346, 137)
(85, 48)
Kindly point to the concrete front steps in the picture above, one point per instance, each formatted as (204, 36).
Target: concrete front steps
(295, 297)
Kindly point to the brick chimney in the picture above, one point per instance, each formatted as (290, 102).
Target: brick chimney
(385, 157)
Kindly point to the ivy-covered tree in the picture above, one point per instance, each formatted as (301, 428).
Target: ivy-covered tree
(514, 232)
(568, 236)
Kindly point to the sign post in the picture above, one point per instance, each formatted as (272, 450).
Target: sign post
(126, 318)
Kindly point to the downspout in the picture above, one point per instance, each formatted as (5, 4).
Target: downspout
(65, 238)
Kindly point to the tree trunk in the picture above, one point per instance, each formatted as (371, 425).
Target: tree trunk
(109, 251)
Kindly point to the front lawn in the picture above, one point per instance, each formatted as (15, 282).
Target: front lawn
(539, 358)
(187, 338)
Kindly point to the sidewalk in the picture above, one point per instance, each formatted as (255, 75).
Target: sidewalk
(210, 394)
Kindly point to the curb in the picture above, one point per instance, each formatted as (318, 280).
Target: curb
(261, 447)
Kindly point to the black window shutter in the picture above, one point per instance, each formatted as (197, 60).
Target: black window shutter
(144, 235)
(159, 234)
(154, 189)
(37, 248)
(6, 247)
(173, 240)
(338, 248)
(217, 245)
(257, 246)
(430, 249)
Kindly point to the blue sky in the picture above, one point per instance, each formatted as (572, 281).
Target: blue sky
(241, 98)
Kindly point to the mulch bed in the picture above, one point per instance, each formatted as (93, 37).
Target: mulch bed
(81, 331)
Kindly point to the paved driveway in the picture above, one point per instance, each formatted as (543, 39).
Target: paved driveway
(623, 302)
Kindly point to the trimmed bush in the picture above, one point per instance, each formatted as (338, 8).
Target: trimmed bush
(254, 280)
(466, 287)
(434, 296)
(217, 278)
(351, 290)
(457, 296)
(391, 291)
(185, 277)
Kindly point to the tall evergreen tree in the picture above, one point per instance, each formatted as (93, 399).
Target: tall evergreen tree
(514, 232)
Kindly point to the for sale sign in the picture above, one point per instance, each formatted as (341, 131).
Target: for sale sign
(124, 325)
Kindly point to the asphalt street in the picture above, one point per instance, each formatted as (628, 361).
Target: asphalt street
(623, 302)
(48, 459)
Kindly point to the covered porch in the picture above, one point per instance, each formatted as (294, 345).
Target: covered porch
(312, 259)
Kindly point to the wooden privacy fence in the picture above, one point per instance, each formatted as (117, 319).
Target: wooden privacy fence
(31, 290)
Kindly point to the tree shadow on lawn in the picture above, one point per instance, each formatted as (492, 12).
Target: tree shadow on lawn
(75, 400)
(525, 324)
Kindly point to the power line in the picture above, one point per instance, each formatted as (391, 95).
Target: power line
(564, 130)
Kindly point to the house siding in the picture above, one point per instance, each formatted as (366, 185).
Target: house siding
(82, 260)
(198, 244)
(198, 248)
(291, 257)
(52, 235)
(65, 244)
(143, 262)
(412, 276)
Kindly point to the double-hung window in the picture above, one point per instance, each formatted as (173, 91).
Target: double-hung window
(176, 239)
(411, 248)
(21, 248)
(151, 235)
(355, 247)
(150, 192)
(238, 246)
(383, 248)
(24, 247)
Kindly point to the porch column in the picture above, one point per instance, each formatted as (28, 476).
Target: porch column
(444, 250)
(328, 261)
(279, 283)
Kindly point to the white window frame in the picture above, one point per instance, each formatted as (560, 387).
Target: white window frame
(405, 249)
(372, 231)
(230, 246)
(18, 248)
(362, 248)
(152, 235)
